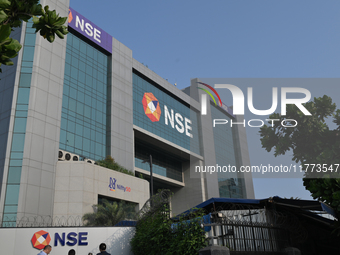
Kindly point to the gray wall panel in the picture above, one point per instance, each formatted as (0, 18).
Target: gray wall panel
(43, 123)
(122, 149)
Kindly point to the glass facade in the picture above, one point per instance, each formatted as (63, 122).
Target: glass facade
(86, 97)
(19, 130)
(230, 185)
(162, 163)
(159, 128)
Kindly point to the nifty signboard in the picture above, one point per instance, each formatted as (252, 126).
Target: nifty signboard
(83, 240)
(88, 29)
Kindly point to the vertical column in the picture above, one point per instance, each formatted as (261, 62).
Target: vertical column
(122, 106)
(207, 141)
(242, 157)
(43, 124)
(192, 194)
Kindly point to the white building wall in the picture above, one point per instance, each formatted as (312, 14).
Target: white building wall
(17, 241)
(78, 184)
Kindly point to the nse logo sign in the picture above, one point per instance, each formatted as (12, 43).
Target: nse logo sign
(42, 238)
(89, 30)
(152, 109)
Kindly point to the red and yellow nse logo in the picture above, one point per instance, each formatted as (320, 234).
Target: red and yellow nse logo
(40, 239)
(151, 107)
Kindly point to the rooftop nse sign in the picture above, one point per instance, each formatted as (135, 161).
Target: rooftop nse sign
(88, 29)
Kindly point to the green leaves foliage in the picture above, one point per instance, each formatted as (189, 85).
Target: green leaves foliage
(107, 214)
(312, 142)
(50, 24)
(9, 47)
(4, 4)
(17, 11)
(109, 162)
(14, 12)
(157, 234)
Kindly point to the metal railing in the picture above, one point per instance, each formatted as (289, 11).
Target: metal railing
(245, 229)
(41, 221)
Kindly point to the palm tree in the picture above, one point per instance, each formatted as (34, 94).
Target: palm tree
(105, 215)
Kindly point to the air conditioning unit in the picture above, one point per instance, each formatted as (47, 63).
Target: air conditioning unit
(67, 156)
(75, 157)
(90, 161)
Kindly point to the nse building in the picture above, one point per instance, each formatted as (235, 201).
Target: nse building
(67, 104)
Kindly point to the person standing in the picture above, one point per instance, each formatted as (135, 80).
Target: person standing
(102, 248)
(47, 249)
(72, 252)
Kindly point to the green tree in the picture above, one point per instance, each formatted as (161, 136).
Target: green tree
(14, 12)
(106, 214)
(312, 142)
(157, 234)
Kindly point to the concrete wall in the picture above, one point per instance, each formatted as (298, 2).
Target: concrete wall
(122, 142)
(192, 194)
(17, 241)
(43, 123)
(78, 184)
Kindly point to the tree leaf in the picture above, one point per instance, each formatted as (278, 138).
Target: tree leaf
(60, 21)
(37, 10)
(4, 4)
(5, 31)
(50, 37)
(8, 62)
(13, 46)
(59, 34)
(35, 20)
(3, 16)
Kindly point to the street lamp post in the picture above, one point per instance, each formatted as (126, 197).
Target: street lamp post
(151, 177)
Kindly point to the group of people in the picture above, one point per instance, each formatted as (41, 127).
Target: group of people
(48, 248)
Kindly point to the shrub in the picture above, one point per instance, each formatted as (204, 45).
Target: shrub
(157, 234)
(109, 162)
(106, 214)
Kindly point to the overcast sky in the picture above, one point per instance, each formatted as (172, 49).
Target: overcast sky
(180, 40)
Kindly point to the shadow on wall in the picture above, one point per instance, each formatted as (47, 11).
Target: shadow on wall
(119, 242)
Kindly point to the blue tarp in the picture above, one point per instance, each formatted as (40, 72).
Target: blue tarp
(214, 202)
(206, 220)
(328, 209)
(126, 223)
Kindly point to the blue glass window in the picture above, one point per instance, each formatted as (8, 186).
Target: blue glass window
(84, 113)
(162, 162)
(20, 125)
(14, 175)
(25, 79)
(18, 142)
(28, 54)
(23, 95)
(230, 185)
(12, 194)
